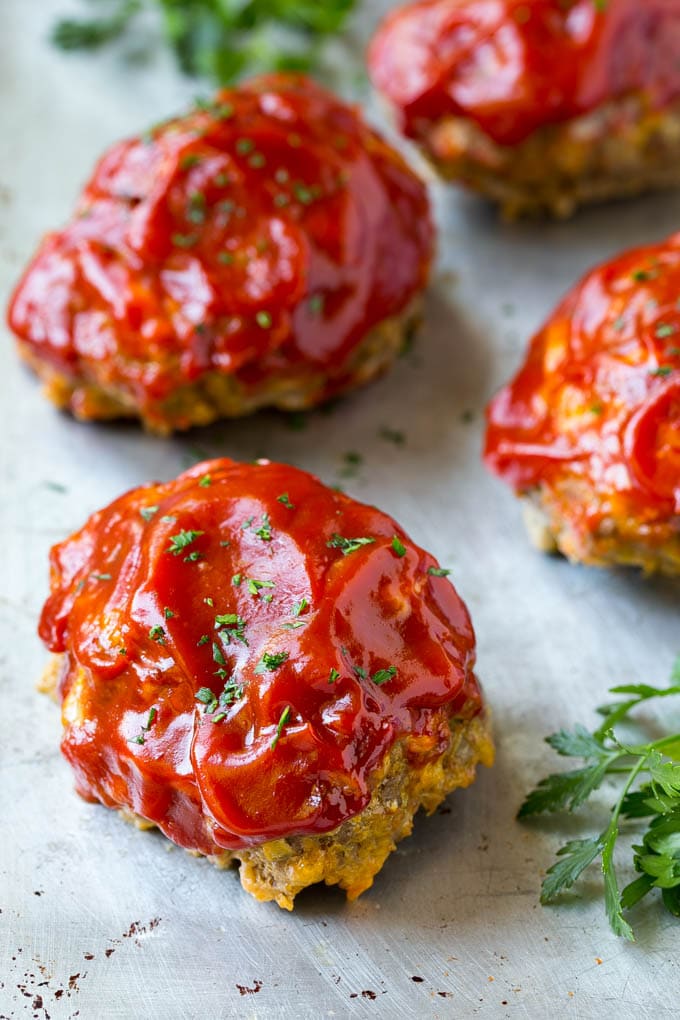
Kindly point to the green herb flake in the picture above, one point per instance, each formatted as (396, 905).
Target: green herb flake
(157, 633)
(348, 545)
(285, 716)
(333, 675)
(265, 530)
(140, 738)
(285, 500)
(236, 580)
(218, 654)
(662, 371)
(383, 675)
(189, 161)
(101, 577)
(438, 571)
(205, 481)
(225, 258)
(203, 640)
(271, 661)
(196, 209)
(398, 546)
(180, 541)
(664, 330)
(299, 607)
(263, 319)
(184, 240)
(255, 586)
(147, 512)
(391, 435)
(244, 146)
(168, 613)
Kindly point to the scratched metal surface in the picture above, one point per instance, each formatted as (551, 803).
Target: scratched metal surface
(101, 921)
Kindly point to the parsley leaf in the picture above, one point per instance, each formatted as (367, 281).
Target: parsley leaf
(181, 540)
(650, 774)
(348, 545)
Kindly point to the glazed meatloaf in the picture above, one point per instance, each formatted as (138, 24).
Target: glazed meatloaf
(540, 105)
(265, 669)
(268, 248)
(588, 431)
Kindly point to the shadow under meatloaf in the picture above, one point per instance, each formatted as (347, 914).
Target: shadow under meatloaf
(354, 853)
(218, 395)
(621, 149)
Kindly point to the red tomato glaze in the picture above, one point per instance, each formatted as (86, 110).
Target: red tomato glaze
(268, 229)
(231, 671)
(598, 396)
(513, 66)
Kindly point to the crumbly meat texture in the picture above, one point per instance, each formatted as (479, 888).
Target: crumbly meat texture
(623, 148)
(217, 395)
(618, 541)
(354, 853)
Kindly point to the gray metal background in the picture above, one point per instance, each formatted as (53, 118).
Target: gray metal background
(105, 922)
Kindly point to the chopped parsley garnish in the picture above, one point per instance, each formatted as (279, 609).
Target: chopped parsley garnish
(139, 739)
(383, 675)
(196, 207)
(207, 698)
(263, 319)
(271, 661)
(231, 692)
(180, 541)
(348, 545)
(168, 613)
(285, 715)
(193, 556)
(209, 601)
(157, 633)
(353, 462)
(438, 571)
(101, 577)
(265, 530)
(333, 675)
(392, 435)
(203, 640)
(247, 523)
(231, 626)
(664, 330)
(255, 586)
(184, 240)
(189, 161)
(218, 654)
(299, 607)
(204, 481)
(360, 672)
(662, 371)
(398, 546)
(236, 580)
(285, 500)
(147, 512)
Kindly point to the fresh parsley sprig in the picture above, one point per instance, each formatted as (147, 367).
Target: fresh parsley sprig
(650, 776)
(220, 40)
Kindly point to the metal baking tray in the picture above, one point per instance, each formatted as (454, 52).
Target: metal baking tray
(99, 920)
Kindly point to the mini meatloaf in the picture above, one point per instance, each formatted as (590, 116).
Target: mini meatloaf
(588, 432)
(268, 248)
(541, 105)
(265, 669)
